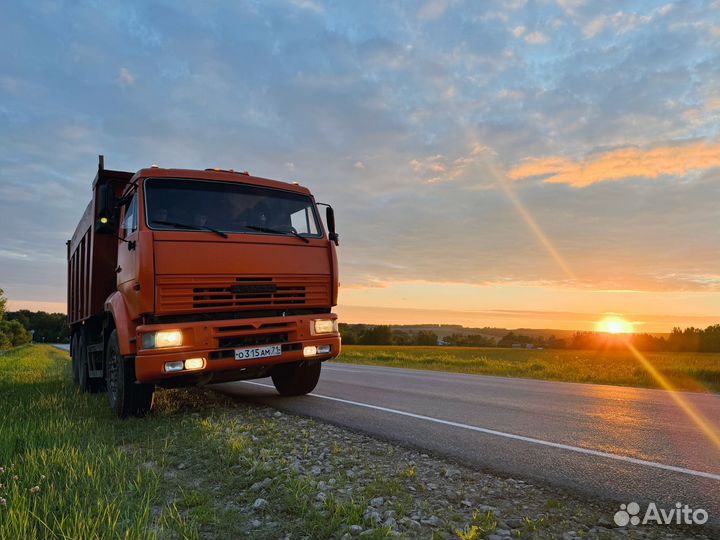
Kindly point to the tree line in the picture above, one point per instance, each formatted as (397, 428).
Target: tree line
(46, 327)
(365, 334)
(12, 333)
(21, 327)
(679, 340)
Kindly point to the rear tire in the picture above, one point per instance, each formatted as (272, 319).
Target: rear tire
(74, 355)
(126, 397)
(296, 379)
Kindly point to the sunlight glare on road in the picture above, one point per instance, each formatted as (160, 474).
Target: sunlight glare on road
(710, 430)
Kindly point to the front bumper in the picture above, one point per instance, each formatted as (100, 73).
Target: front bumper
(216, 341)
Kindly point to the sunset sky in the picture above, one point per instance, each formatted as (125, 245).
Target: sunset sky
(515, 164)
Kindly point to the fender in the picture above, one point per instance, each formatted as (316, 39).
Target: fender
(334, 277)
(115, 306)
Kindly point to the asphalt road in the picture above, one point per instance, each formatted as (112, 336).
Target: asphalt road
(607, 442)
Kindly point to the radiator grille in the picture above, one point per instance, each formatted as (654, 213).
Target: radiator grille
(181, 294)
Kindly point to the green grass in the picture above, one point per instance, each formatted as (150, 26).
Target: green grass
(698, 372)
(91, 484)
(182, 473)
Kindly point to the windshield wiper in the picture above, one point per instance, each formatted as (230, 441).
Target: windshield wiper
(277, 231)
(193, 227)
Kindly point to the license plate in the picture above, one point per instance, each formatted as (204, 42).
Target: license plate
(249, 353)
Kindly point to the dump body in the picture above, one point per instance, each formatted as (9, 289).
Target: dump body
(92, 259)
(200, 276)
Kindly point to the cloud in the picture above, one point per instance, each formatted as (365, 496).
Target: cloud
(310, 5)
(433, 9)
(621, 164)
(512, 95)
(569, 6)
(302, 96)
(125, 77)
(536, 38)
(12, 254)
(439, 169)
(622, 22)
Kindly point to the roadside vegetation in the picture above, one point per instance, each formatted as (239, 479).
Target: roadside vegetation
(205, 466)
(699, 372)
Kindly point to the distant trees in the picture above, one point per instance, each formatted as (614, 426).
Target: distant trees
(511, 339)
(377, 335)
(381, 334)
(694, 339)
(687, 340)
(680, 340)
(426, 337)
(16, 326)
(47, 327)
(458, 339)
(12, 333)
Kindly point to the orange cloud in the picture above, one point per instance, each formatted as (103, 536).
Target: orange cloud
(621, 164)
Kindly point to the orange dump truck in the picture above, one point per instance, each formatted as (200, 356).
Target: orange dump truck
(183, 277)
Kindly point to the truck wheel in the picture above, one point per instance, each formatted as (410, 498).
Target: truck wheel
(74, 357)
(85, 383)
(126, 397)
(296, 379)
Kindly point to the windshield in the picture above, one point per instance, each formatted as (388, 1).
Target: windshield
(172, 204)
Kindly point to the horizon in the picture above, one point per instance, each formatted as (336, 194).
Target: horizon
(466, 320)
(549, 167)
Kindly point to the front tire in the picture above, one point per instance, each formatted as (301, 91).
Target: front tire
(296, 379)
(126, 397)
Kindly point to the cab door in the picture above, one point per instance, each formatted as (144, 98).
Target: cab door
(127, 268)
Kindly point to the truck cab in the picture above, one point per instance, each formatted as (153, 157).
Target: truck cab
(183, 277)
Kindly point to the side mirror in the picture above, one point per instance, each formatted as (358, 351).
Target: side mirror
(330, 219)
(106, 210)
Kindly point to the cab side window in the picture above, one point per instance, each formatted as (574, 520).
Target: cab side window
(130, 222)
(303, 222)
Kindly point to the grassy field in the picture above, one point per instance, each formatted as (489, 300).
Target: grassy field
(698, 372)
(68, 469)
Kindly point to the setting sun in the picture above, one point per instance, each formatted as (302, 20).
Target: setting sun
(614, 325)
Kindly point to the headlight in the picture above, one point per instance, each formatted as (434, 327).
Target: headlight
(325, 326)
(164, 338)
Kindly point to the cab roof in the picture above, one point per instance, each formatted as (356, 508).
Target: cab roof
(219, 175)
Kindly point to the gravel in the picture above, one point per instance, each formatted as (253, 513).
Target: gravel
(384, 490)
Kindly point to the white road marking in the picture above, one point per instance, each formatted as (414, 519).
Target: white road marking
(532, 440)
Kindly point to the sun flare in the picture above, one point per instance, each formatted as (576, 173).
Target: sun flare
(614, 325)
